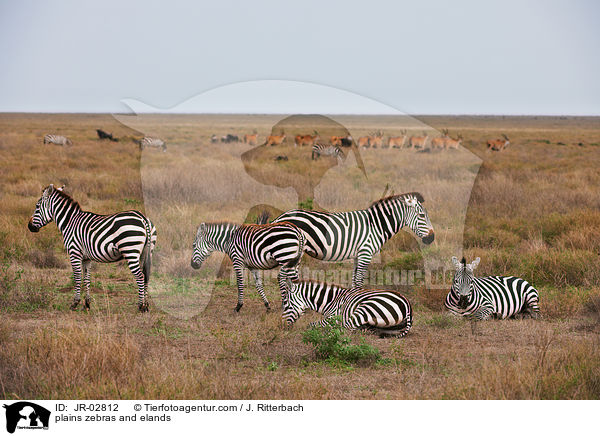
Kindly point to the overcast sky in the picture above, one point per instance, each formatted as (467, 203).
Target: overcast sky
(420, 57)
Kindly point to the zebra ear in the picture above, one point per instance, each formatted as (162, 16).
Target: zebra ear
(49, 190)
(61, 188)
(475, 263)
(455, 262)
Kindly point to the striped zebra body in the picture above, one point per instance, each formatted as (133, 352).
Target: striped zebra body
(490, 297)
(57, 139)
(384, 312)
(253, 246)
(153, 142)
(89, 237)
(360, 234)
(322, 149)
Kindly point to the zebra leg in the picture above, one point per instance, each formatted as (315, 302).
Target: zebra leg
(239, 274)
(77, 270)
(260, 289)
(86, 282)
(136, 270)
(361, 264)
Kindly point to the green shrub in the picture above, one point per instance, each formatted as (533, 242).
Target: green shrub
(333, 346)
(306, 204)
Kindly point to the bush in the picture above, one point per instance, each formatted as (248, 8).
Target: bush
(333, 346)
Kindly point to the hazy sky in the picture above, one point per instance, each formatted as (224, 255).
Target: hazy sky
(505, 57)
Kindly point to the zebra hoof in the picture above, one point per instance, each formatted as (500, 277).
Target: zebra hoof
(74, 305)
(143, 307)
(268, 306)
(238, 307)
(86, 303)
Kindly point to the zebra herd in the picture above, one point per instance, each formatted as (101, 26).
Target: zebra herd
(329, 237)
(145, 142)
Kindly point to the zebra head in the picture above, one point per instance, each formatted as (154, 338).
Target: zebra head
(294, 304)
(462, 285)
(416, 217)
(43, 213)
(202, 247)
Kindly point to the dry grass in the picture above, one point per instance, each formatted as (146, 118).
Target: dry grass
(534, 212)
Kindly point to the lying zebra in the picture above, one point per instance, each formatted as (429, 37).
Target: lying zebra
(254, 246)
(385, 312)
(494, 296)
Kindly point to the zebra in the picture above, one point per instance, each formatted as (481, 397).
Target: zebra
(322, 149)
(254, 246)
(57, 139)
(100, 238)
(381, 311)
(147, 141)
(359, 234)
(493, 296)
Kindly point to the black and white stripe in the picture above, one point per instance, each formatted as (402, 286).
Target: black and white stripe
(254, 246)
(322, 149)
(360, 234)
(147, 141)
(490, 297)
(57, 139)
(100, 238)
(384, 312)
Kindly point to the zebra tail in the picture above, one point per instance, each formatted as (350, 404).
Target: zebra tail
(146, 256)
(397, 330)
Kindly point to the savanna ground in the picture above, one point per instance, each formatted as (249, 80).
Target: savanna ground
(534, 211)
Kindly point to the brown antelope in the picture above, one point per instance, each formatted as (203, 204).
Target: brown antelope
(397, 141)
(453, 143)
(301, 140)
(418, 141)
(364, 142)
(498, 144)
(251, 139)
(376, 140)
(276, 139)
(439, 142)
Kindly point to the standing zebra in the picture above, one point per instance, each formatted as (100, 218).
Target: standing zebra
(322, 149)
(57, 139)
(493, 296)
(384, 312)
(100, 238)
(147, 141)
(360, 234)
(254, 246)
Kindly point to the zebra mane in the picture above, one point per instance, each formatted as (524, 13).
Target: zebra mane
(395, 197)
(65, 196)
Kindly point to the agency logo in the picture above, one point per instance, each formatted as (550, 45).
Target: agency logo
(26, 415)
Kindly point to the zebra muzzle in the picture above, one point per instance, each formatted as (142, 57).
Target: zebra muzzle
(429, 238)
(31, 227)
(463, 302)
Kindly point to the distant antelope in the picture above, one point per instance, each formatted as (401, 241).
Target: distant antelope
(275, 139)
(453, 143)
(301, 140)
(376, 140)
(418, 141)
(57, 139)
(498, 144)
(251, 139)
(214, 139)
(397, 141)
(440, 142)
(364, 142)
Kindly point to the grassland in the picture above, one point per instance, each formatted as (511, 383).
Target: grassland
(533, 211)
